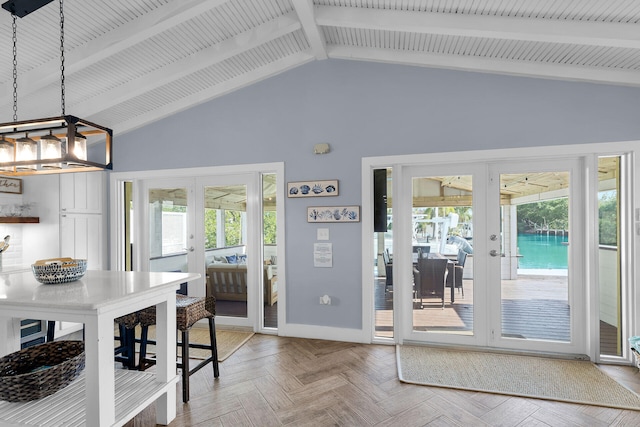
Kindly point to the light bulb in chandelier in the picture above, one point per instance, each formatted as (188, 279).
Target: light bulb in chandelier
(7, 154)
(50, 148)
(78, 149)
(26, 149)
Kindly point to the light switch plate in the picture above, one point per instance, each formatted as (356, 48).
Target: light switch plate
(323, 234)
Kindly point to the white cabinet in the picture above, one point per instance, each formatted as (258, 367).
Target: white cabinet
(82, 192)
(82, 221)
(81, 236)
(82, 225)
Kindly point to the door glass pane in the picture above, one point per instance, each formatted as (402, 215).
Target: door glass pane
(442, 252)
(609, 256)
(269, 228)
(534, 258)
(382, 259)
(168, 221)
(128, 226)
(225, 247)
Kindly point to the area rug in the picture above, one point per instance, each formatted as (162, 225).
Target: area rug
(228, 342)
(526, 376)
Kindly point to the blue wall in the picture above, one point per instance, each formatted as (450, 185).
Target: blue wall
(368, 109)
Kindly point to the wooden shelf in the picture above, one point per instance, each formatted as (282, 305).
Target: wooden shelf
(134, 392)
(19, 219)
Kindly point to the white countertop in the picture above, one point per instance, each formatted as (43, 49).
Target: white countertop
(14, 268)
(95, 290)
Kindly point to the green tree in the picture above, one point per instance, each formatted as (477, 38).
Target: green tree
(269, 227)
(210, 228)
(549, 214)
(232, 228)
(608, 218)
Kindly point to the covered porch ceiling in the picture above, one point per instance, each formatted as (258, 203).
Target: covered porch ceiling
(229, 197)
(456, 190)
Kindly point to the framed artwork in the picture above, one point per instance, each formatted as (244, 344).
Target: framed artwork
(333, 214)
(312, 188)
(10, 185)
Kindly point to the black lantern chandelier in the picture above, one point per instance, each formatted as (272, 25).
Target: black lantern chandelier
(53, 144)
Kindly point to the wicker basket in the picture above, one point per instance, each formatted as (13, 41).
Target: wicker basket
(59, 270)
(41, 370)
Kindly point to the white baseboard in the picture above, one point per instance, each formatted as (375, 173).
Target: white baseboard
(324, 333)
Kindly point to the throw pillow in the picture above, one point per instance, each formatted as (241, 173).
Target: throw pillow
(232, 259)
(242, 259)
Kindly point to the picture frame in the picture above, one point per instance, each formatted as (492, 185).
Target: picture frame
(10, 185)
(319, 188)
(333, 214)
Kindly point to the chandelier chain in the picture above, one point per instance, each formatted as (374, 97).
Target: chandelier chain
(62, 94)
(15, 70)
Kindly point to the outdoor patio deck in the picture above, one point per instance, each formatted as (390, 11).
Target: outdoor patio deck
(525, 302)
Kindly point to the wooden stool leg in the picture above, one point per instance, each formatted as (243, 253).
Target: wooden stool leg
(214, 346)
(130, 337)
(143, 348)
(185, 366)
(51, 330)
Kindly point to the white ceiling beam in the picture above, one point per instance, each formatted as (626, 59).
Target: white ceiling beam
(248, 40)
(305, 11)
(130, 34)
(495, 27)
(224, 88)
(489, 65)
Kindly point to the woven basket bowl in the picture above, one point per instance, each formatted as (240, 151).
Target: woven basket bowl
(41, 370)
(59, 271)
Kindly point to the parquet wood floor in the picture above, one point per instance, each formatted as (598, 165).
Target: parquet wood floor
(277, 381)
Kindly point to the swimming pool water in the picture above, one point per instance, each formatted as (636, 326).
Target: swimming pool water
(541, 251)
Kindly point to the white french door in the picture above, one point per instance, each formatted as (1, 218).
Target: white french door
(228, 220)
(446, 209)
(168, 228)
(537, 307)
(188, 223)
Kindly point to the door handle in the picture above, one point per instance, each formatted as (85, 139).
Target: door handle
(493, 252)
(191, 249)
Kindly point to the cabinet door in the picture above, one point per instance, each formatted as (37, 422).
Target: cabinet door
(81, 236)
(82, 192)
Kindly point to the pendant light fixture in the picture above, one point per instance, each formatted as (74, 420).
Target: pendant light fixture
(53, 144)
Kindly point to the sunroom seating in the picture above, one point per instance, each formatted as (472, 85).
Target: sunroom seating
(228, 282)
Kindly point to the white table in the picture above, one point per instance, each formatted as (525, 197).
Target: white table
(102, 396)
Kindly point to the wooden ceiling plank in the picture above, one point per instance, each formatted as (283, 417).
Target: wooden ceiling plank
(146, 26)
(207, 94)
(220, 52)
(489, 65)
(483, 26)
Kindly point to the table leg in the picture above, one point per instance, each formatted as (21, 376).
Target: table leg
(99, 371)
(166, 357)
(9, 335)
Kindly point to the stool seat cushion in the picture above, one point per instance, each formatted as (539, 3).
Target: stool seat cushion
(129, 321)
(188, 311)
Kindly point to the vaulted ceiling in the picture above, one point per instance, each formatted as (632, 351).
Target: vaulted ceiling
(129, 63)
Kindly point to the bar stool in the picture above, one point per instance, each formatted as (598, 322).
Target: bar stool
(125, 353)
(188, 311)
